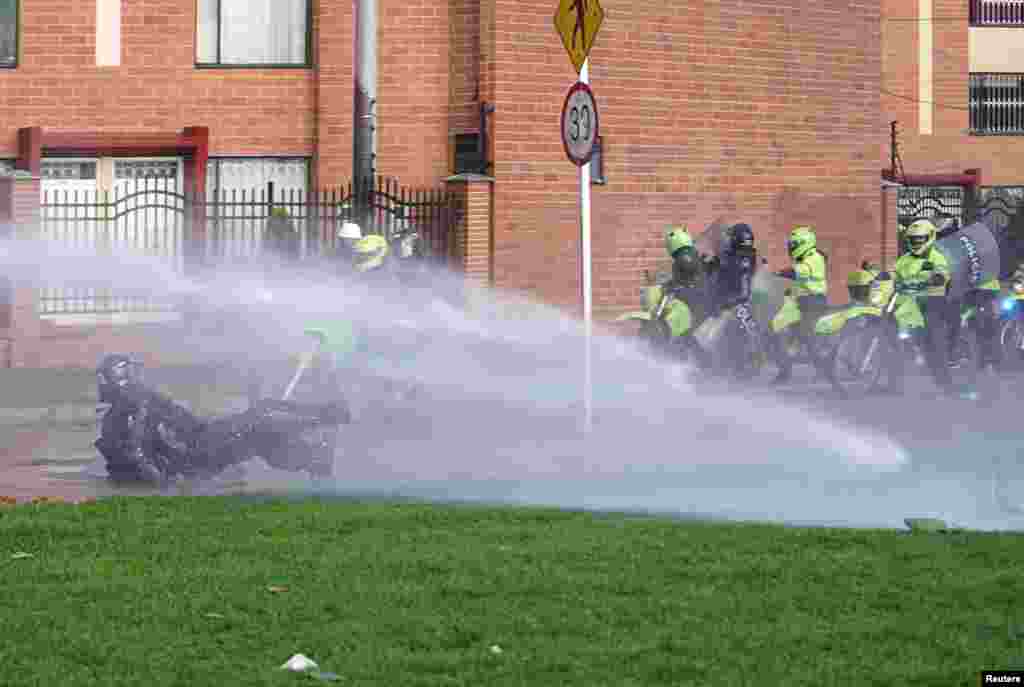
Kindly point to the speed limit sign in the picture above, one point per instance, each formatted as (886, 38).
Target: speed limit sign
(579, 124)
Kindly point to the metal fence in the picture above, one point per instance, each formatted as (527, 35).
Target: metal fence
(931, 202)
(151, 217)
(999, 205)
(996, 103)
(996, 12)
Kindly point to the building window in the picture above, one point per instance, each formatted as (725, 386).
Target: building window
(248, 179)
(69, 169)
(997, 104)
(237, 207)
(996, 13)
(469, 158)
(253, 33)
(8, 34)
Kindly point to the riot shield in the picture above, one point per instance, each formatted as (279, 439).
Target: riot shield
(715, 238)
(975, 254)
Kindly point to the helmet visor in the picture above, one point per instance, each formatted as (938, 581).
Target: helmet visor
(917, 241)
(860, 293)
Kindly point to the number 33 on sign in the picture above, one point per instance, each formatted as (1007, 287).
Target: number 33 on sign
(579, 124)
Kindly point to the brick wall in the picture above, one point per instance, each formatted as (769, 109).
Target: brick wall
(464, 66)
(413, 93)
(767, 112)
(333, 92)
(949, 149)
(58, 86)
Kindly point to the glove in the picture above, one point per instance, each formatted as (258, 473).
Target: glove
(936, 280)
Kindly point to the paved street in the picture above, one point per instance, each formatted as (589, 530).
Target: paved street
(761, 453)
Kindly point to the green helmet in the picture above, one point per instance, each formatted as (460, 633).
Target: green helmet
(369, 252)
(920, 236)
(677, 237)
(801, 242)
(858, 284)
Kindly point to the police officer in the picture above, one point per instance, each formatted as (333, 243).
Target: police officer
(735, 270)
(810, 289)
(688, 271)
(926, 271)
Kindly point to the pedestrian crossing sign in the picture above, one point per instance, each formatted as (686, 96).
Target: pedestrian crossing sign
(577, 22)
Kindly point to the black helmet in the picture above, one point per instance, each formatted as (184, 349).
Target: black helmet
(741, 238)
(115, 374)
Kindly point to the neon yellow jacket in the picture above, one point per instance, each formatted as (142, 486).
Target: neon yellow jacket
(908, 272)
(811, 279)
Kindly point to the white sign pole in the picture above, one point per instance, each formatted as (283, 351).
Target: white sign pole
(585, 283)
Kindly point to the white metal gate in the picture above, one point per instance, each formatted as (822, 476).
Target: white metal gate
(111, 204)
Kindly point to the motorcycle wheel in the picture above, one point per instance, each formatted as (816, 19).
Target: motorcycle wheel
(1011, 340)
(859, 360)
(312, 453)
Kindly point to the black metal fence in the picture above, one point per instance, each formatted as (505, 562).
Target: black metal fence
(996, 13)
(998, 205)
(996, 103)
(931, 202)
(151, 217)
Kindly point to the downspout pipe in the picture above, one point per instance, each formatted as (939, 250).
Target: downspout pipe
(364, 148)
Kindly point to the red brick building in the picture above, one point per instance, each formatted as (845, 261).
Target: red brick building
(953, 79)
(767, 112)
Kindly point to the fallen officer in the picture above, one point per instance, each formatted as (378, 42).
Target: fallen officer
(146, 437)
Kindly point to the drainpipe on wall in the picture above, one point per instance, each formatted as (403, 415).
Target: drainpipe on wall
(364, 148)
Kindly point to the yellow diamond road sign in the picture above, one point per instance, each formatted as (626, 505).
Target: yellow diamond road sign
(577, 22)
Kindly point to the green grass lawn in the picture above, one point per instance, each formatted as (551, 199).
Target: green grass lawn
(176, 591)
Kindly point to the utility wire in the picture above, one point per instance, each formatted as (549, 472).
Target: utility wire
(924, 102)
(919, 20)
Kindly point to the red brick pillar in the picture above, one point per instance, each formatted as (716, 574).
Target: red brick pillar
(20, 326)
(474, 240)
(474, 236)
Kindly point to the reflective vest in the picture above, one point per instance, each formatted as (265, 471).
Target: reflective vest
(810, 275)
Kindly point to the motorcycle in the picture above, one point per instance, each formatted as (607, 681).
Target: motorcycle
(886, 333)
(784, 326)
(1011, 332)
(666, 320)
(147, 437)
(736, 340)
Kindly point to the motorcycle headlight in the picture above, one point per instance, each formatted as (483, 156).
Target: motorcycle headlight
(1008, 304)
(904, 335)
